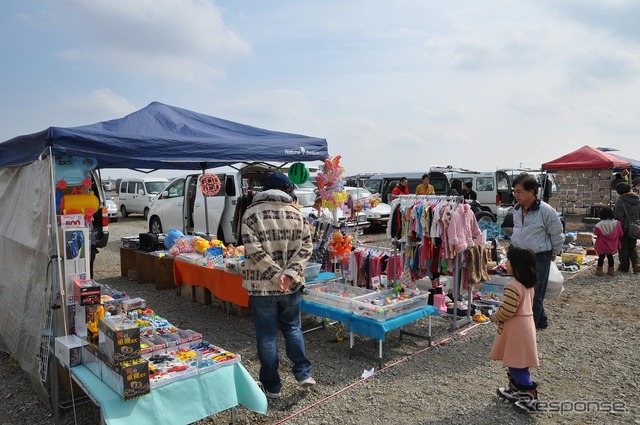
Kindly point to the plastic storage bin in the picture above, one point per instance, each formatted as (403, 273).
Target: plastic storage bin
(311, 271)
(334, 294)
(383, 306)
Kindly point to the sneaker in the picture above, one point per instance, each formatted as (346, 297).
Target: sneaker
(306, 383)
(526, 406)
(510, 394)
(272, 396)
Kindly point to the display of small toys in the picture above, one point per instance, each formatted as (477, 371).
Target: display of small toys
(390, 303)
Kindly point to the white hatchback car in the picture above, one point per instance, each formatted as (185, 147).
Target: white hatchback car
(112, 210)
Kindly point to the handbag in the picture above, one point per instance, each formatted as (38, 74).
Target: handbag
(555, 284)
(633, 227)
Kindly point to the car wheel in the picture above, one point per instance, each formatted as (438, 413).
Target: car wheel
(146, 213)
(485, 216)
(155, 226)
(123, 211)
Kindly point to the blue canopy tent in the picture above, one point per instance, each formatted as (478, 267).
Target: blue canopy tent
(153, 138)
(164, 137)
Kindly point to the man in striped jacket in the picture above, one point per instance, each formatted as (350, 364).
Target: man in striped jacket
(277, 244)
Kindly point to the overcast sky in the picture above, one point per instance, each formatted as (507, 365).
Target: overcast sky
(392, 85)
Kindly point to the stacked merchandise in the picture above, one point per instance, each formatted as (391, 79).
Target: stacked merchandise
(130, 347)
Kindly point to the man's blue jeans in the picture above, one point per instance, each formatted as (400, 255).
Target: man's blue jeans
(271, 313)
(543, 263)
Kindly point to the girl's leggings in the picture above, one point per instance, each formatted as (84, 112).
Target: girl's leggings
(601, 259)
(521, 376)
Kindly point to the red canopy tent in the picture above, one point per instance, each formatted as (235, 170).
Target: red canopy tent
(586, 157)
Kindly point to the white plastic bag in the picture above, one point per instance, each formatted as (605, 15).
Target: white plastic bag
(555, 285)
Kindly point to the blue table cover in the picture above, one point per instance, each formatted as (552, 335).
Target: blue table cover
(363, 325)
(180, 402)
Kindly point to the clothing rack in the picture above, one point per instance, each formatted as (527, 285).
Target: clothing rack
(456, 321)
(393, 250)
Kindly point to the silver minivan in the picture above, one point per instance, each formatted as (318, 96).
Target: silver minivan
(136, 194)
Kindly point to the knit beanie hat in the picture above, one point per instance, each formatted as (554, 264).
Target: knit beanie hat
(278, 181)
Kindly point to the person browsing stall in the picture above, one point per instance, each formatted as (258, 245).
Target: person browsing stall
(608, 232)
(468, 192)
(401, 188)
(536, 226)
(425, 188)
(627, 210)
(515, 341)
(277, 244)
(456, 187)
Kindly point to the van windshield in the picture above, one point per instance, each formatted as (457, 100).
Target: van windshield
(373, 185)
(155, 187)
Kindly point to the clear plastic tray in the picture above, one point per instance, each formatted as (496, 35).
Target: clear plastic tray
(381, 307)
(334, 294)
(311, 271)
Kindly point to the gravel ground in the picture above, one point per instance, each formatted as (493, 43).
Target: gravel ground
(589, 353)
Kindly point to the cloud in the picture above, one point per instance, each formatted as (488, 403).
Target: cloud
(618, 18)
(103, 104)
(597, 69)
(184, 40)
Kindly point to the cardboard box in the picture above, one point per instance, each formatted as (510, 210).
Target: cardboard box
(127, 261)
(584, 239)
(84, 315)
(69, 350)
(91, 360)
(203, 295)
(129, 379)
(86, 292)
(119, 339)
(144, 264)
(187, 292)
(163, 267)
(578, 258)
(75, 248)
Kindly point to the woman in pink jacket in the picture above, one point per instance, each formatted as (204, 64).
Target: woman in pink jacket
(607, 232)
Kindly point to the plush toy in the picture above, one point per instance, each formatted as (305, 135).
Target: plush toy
(172, 236)
(201, 245)
(340, 246)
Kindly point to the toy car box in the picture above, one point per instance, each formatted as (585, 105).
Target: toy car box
(69, 350)
(385, 305)
(119, 339)
(86, 292)
(128, 379)
(334, 294)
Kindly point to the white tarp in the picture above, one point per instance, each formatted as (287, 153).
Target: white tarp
(25, 274)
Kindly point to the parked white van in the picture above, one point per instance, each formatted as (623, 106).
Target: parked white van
(136, 194)
(182, 206)
(493, 187)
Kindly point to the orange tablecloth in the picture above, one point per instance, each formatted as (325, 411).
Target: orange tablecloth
(226, 286)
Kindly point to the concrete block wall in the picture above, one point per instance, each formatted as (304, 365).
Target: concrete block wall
(580, 189)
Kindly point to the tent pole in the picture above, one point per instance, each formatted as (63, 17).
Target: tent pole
(206, 208)
(55, 271)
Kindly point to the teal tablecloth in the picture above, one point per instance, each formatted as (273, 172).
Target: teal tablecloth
(180, 402)
(362, 325)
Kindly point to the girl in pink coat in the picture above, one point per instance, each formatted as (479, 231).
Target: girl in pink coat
(515, 341)
(607, 232)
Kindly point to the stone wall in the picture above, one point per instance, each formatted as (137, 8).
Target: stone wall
(580, 189)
